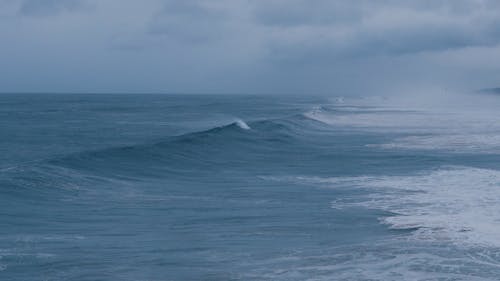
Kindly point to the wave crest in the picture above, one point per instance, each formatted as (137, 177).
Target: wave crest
(240, 123)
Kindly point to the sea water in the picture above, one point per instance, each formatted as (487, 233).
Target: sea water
(214, 187)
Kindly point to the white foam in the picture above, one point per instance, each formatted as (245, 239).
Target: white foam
(468, 129)
(378, 262)
(240, 123)
(456, 204)
(370, 120)
(399, 120)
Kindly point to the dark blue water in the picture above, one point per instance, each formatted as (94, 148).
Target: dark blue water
(176, 187)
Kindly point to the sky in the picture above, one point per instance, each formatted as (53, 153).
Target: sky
(328, 47)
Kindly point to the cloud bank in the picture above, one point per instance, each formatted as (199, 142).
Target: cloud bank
(49, 7)
(249, 46)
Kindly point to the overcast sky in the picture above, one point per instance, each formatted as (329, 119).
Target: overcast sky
(248, 46)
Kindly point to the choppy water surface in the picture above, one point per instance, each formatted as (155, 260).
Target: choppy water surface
(165, 187)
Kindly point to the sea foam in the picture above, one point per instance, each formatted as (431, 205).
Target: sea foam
(456, 204)
(459, 204)
(454, 129)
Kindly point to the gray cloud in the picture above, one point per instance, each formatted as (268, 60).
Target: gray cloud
(193, 22)
(300, 12)
(50, 7)
(324, 30)
(296, 46)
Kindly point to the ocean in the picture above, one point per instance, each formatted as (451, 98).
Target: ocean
(233, 187)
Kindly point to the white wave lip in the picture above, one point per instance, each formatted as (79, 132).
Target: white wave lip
(240, 123)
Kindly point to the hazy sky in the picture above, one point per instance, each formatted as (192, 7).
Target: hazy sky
(248, 46)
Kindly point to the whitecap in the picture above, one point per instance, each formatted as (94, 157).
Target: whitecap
(456, 204)
(460, 205)
(240, 123)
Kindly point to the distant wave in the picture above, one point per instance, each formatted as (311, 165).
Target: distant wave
(179, 154)
(63, 177)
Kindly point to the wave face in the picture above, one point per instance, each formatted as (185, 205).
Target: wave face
(151, 187)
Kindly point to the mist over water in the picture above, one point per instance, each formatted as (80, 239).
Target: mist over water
(165, 187)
